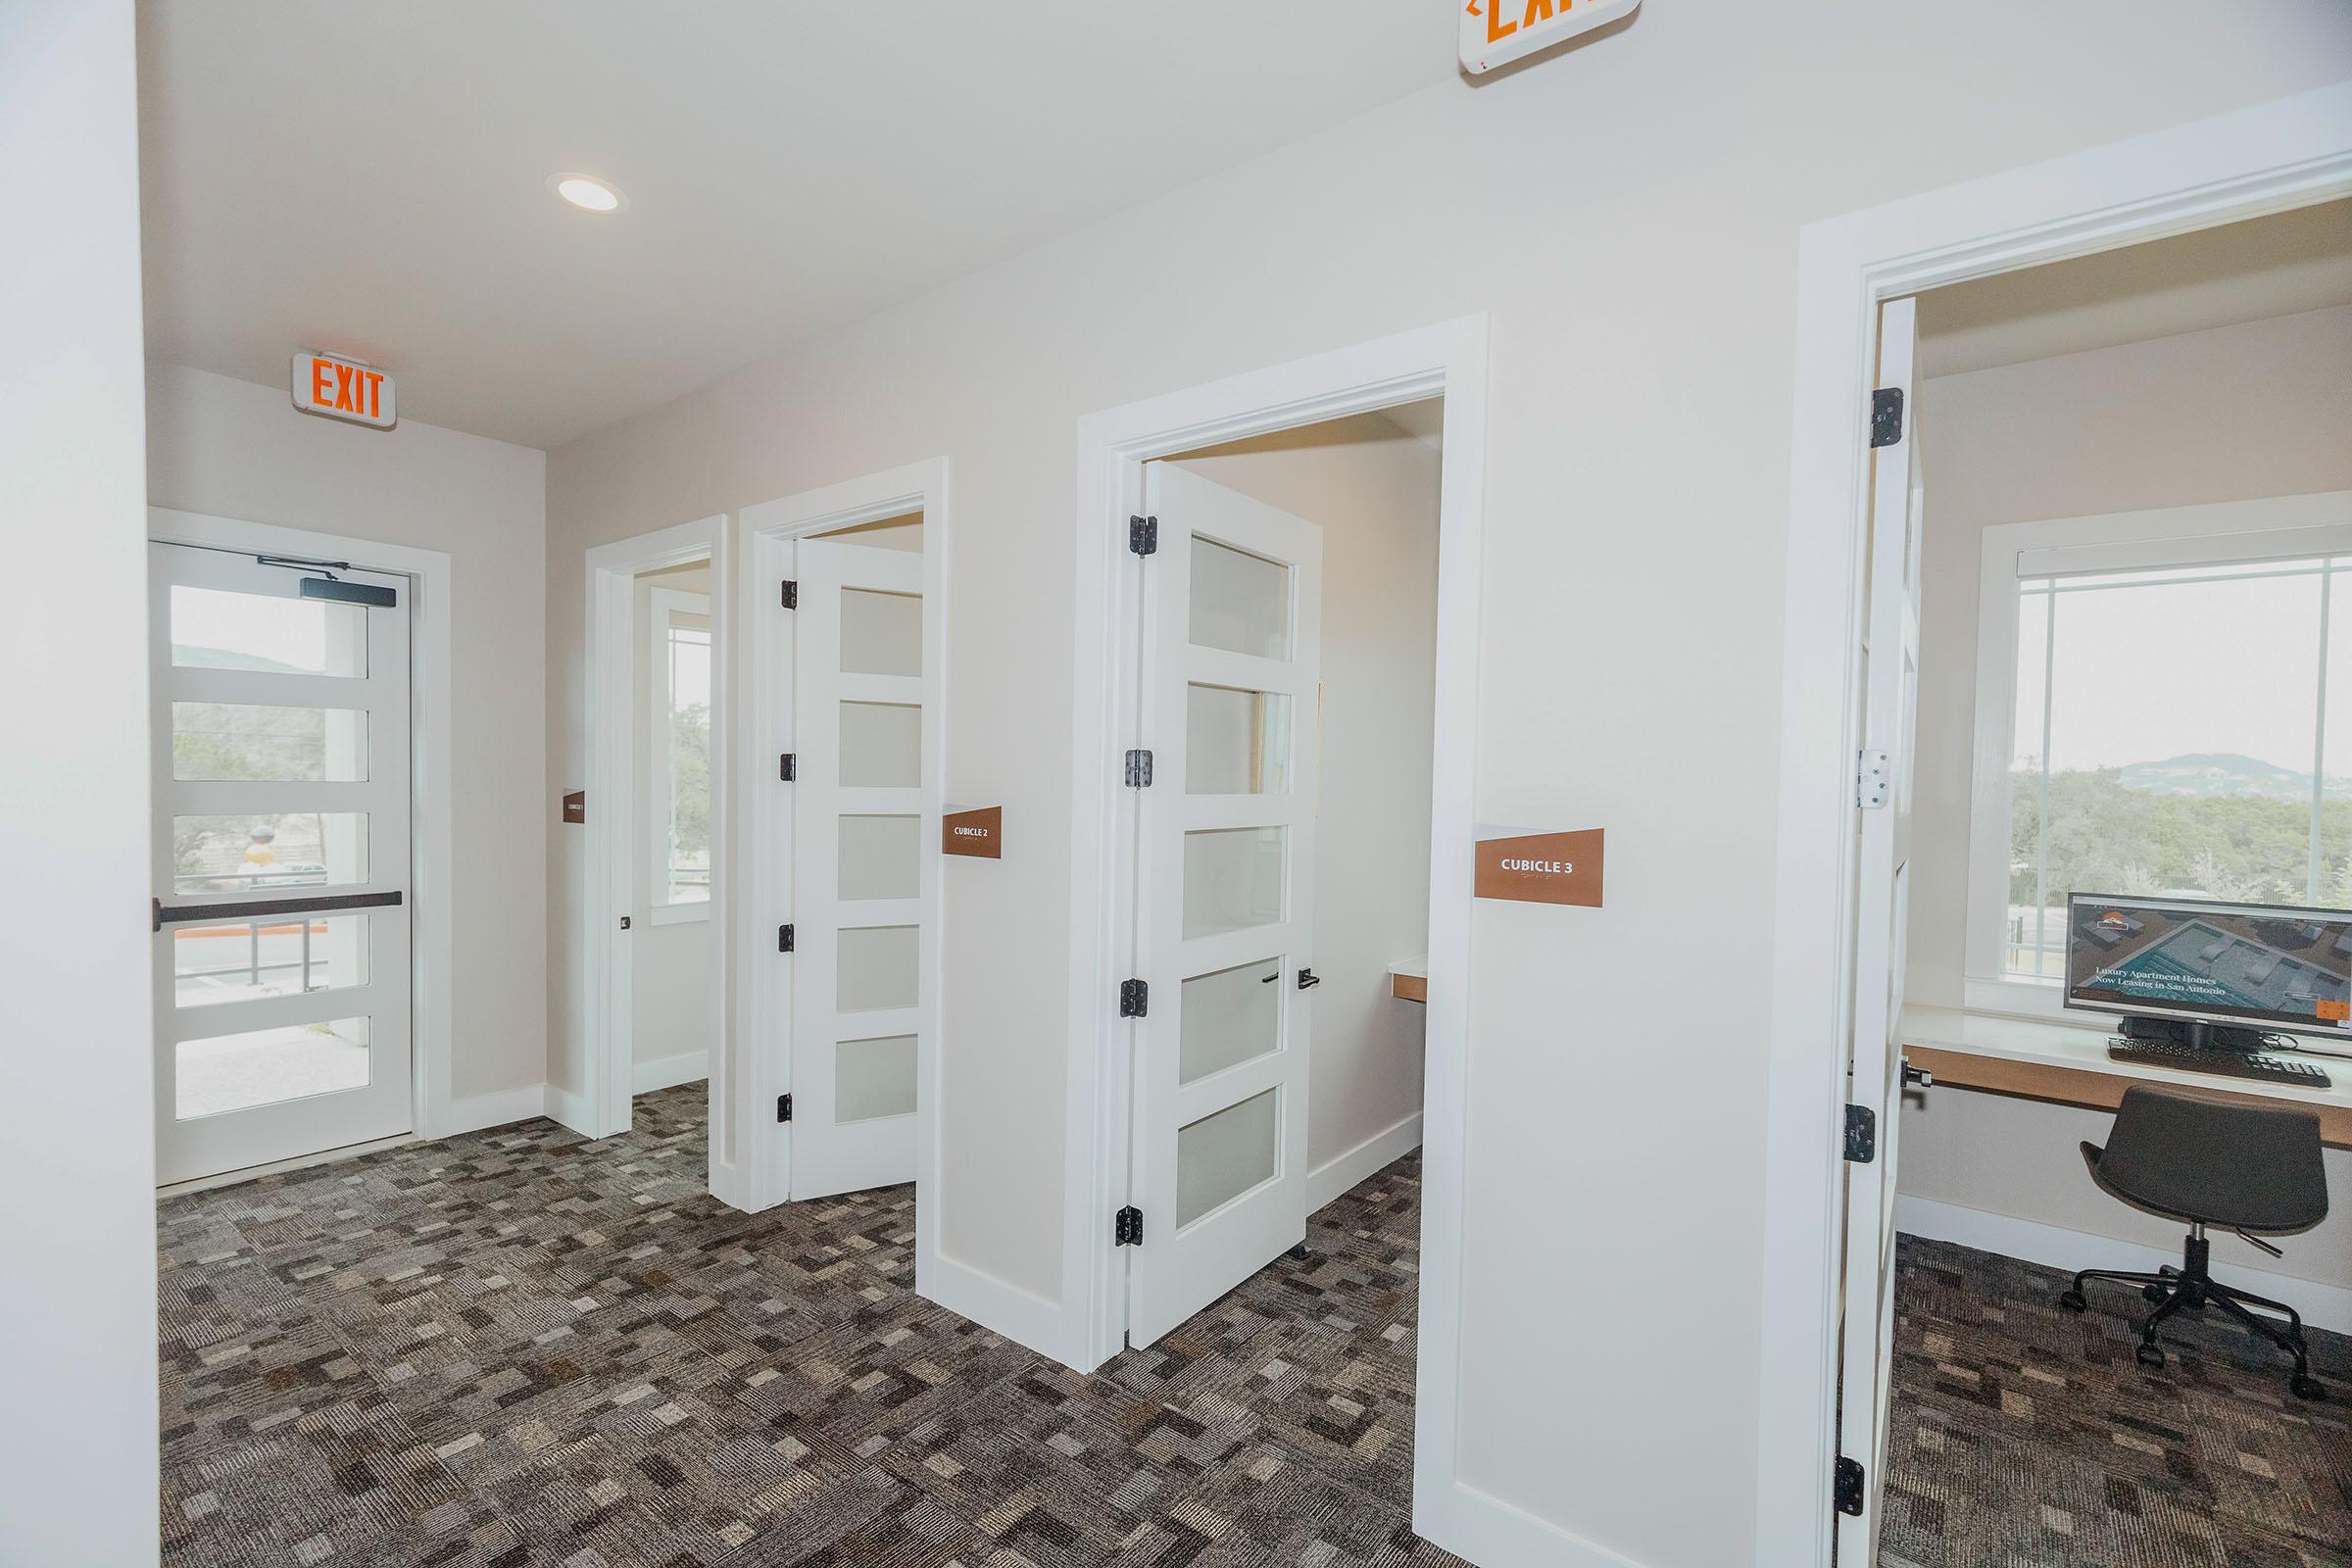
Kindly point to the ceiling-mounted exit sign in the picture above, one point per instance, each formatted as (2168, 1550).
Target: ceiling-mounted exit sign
(1496, 33)
(342, 389)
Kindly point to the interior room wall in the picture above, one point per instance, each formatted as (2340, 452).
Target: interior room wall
(77, 1304)
(673, 1009)
(1640, 291)
(2234, 413)
(231, 449)
(1373, 490)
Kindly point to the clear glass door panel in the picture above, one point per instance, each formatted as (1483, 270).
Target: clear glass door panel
(268, 851)
(1236, 742)
(874, 1078)
(1226, 1154)
(877, 966)
(217, 628)
(879, 856)
(881, 745)
(280, 956)
(1232, 879)
(254, 742)
(269, 1066)
(881, 633)
(1229, 1018)
(1239, 601)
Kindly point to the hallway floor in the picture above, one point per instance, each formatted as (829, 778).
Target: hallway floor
(519, 1348)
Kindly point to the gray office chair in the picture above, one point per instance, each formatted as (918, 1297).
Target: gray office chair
(2227, 1163)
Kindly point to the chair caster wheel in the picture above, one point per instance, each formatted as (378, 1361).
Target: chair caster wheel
(2305, 1387)
(2073, 1301)
(2149, 1355)
(2153, 1293)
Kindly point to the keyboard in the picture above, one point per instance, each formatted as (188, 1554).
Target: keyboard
(2223, 1063)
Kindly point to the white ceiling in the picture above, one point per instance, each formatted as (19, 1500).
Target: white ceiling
(371, 179)
(2265, 267)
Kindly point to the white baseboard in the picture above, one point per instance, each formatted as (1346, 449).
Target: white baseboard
(667, 1072)
(1336, 1175)
(2323, 1305)
(496, 1109)
(569, 1106)
(997, 1306)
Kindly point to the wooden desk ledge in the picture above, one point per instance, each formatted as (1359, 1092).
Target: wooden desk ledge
(1408, 979)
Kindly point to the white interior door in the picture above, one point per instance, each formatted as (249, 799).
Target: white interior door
(1890, 694)
(866, 812)
(281, 795)
(1232, 613)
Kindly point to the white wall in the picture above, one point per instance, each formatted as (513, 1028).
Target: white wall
(2231, 413)
(1373, 490)
(1625, 212)
(77, 1319)
(231, 449)
(673, 1009)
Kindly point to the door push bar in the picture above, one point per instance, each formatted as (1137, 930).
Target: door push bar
(255, 908)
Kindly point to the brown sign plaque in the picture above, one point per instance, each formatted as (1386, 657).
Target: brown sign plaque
(979, 833)
(1540, 869)
(575, 806)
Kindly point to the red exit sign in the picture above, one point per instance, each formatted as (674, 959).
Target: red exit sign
(342, 389)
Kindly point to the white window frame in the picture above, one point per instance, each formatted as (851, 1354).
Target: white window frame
(2228, 532)
(662, 606)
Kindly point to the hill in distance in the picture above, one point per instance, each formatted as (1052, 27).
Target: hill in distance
(2225, 773)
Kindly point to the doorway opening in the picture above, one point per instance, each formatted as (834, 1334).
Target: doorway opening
(2096, 659)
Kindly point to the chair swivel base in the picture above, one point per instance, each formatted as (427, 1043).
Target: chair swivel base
(2193, 1287)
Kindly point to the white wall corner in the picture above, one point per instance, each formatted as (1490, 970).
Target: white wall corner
(667, 1072)
(496, 1109)
(571, 1107)
(1332, 1179)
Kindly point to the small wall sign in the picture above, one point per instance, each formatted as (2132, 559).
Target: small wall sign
(979, 833)
(1496, 33)
(342, 389)
(1540, 869)
(575, 806)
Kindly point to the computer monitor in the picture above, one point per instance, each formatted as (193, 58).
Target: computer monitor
(2209, 973)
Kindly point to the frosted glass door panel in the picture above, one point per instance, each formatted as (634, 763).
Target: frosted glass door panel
(268, 851)
(270, 1066)
(881, 745)
(881, 856)
(1240, 601)
(881, 634)
(1232, 879)
(254, 742)
(1225, 1155)
(1236, 742)
(877, 968)
(280, 955)
(1231, 1017)
(215, 629)
(874, 1078)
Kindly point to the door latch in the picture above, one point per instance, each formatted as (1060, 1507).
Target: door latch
(1308, 977)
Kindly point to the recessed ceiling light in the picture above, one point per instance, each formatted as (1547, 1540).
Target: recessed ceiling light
(586, 192)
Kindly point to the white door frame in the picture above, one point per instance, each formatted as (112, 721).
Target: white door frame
(433, 859)
(761, 853)
(1449, 359)
(605, 992)
(2290, 153)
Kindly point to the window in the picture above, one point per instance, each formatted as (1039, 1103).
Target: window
(2170, 714)
(678, 800)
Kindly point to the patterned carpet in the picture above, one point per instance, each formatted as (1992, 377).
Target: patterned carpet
(2025, 1435)
(518, 1348)
(521, 1348)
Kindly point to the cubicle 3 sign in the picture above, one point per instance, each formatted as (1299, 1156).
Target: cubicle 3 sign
(342, 389)
(1496, 33)
(1540, 869)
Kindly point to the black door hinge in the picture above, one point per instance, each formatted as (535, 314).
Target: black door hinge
(783, 1108)
(1127, 1229)
(792, 594)
(1847, 1490)
(1142, 535)
(786, 767)
(783, 939)
(1134, 999)
(1886, 416)
(1138, 770)
(1861, 1134)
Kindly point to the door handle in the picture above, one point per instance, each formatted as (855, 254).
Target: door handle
(1308, 977)
(162, 914)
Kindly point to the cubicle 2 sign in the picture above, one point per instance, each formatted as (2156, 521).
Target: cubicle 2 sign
(1496, 33)
(979, 833)
(342, 389)
(1540, 869)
